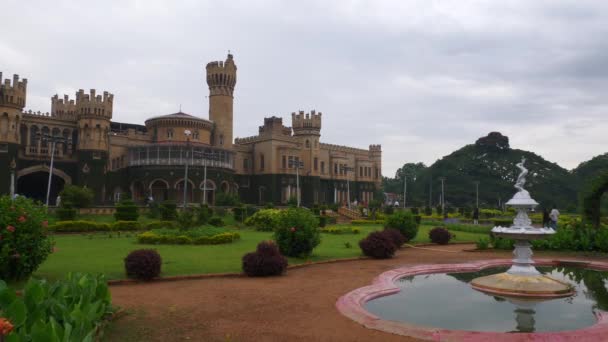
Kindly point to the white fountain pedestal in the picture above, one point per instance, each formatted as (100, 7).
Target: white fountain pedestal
(522, 279)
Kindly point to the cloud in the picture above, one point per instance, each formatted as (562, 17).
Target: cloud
(420, 77)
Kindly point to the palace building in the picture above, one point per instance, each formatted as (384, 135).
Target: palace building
(113, 158)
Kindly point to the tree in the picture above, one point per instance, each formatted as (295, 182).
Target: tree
(76, 196)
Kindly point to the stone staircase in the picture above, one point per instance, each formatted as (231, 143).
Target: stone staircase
(348, 214)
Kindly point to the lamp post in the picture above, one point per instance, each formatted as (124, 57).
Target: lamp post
(206, 157)
(404, 188)
(187, 133)
(442, 179)
(54, 140)
(347, 169)
(297, 164)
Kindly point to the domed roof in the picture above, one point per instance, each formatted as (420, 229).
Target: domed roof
(178, 115)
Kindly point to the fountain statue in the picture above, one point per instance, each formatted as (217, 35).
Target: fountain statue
(522, 279)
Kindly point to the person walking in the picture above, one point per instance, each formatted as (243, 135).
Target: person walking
(546, 218)
(554, 216)
(476, 216)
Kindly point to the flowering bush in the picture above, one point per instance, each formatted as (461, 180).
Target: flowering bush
(296, 233)
(265, 261)
(24, 243)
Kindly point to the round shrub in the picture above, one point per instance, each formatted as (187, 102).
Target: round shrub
(396, 236)
(168, 211)
(378, 245)
(126, 210)
(297, 232)
(24, 244)
(265, 261)
(440, 235)
(216, 221)
(264, 220)
(404, 222)
(143, 264)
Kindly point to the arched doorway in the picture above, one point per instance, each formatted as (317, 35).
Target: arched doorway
(261, 195)
(225, 187)
(208, 192)
(159, 188)
(138, 191)
(32, 182)
(179, 187)
(34, 186)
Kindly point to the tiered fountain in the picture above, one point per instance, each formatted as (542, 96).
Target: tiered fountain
(522, 279)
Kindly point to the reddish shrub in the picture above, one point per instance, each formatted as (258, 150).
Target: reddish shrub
(396, 236)
(265, 261)
(378, 245)
(440, 235)
(143, 264)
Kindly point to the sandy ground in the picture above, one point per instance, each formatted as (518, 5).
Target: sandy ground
(299, 306)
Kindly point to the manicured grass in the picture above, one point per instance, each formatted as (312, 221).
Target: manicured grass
(100, 253)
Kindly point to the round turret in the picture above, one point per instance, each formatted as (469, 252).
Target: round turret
(221, 79)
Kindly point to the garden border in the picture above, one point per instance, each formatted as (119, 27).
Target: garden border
(352, 305)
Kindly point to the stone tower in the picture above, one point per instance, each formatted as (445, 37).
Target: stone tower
(307, 129)
(93, 113)
(12, 102)
(221, 79)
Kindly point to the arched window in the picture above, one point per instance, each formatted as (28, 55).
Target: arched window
(170, 133)
(221, 139)
(307, 143)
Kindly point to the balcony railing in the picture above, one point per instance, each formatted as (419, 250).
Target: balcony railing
(181, 162)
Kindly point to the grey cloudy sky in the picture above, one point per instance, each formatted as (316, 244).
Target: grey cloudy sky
(422, 78)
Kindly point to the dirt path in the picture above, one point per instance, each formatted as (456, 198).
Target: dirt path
(299, 306)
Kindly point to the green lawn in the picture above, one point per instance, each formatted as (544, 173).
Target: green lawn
(101, 253)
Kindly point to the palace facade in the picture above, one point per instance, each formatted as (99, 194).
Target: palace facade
(113, 158)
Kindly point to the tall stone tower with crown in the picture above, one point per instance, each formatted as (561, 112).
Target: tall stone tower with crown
(221, 79)
(307, 129)
(12, 102)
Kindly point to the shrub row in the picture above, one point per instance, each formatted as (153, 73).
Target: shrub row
(340, 230)
(151, 237)
(91, 226)
(325, 220)
(362, 222)
(265, 220)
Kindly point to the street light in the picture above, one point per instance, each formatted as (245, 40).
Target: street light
(346, 169)
(298, 165)
(405, 187)
(206, 157)
(54, 140)
(442, 179)
(187, 133)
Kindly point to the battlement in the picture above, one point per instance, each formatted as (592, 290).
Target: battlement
(13, 94)
(274, 125)
(375, 148)
(91, 104)
(221, 77)
(63, 108)
(306, 123)
(341, 148)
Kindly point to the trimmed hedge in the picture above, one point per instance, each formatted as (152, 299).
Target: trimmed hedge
(143, 264)
(160, 224)
(503, 223)
(378, 245)
(440, 235)
(362, 222)
(265, 261)
(151, 237)
(340, 230)
(91, 226)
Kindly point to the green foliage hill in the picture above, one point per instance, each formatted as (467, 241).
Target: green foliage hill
(491, 162)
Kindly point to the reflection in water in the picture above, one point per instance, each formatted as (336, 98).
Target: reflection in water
(447, 301)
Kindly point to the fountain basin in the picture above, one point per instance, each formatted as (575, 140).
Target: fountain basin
(354, 306)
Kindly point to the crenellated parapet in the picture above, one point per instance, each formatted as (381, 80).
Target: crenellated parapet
(306, 123)
(221, 77)
(274, 126)
(13, 94)
(63, 108)
(93, 105)
(375, 148)
(341, 148)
